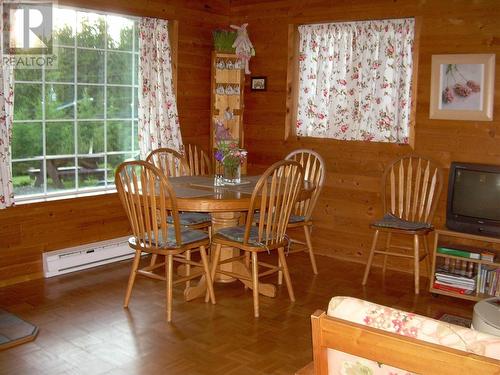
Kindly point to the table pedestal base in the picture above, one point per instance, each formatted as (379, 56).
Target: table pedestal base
(224, 220)
(192, 292)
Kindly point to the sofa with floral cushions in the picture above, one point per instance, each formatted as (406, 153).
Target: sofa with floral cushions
(360, 337)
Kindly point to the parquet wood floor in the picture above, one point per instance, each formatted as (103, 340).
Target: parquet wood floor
(85, 330)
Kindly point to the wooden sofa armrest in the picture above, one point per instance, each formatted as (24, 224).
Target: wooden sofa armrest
(391, 349)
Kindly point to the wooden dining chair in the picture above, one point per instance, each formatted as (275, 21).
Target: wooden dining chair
(274, 196)
(173, 164)
(314, 172)
(147, 196)
(198, 160)
(411, 187)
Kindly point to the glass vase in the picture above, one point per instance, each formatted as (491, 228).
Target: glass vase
(232, 174)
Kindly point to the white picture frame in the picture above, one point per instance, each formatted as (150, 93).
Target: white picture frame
(462, 87)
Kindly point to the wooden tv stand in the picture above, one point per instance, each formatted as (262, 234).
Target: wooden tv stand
(450, 238)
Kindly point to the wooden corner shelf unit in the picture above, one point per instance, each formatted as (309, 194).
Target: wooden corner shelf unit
(228, 81)
(459, 241)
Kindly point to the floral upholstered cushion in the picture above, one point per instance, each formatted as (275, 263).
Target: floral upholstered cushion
(405, 324)
(187, 236)
(191, 218)
(292, 219)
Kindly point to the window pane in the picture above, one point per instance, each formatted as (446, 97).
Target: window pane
(59, 101)
(65, 71)
(85, 43)
(91, 30)
(28, 74)
(120, 32)
(119, 102)
(136, 36)
(26, 177)
(60, 174)
(119, 136)
(64, 26)
(90, 137)
(91, 172)
(135, 73)
(28, 101)
(90, 102)
(120, 68)
(136, 138)
(27, 140)
(135, 106)
(59, 138)
(90, 66)
(113, 162)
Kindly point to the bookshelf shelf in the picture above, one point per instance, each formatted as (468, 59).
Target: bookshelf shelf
(478, 261)
(449, 238)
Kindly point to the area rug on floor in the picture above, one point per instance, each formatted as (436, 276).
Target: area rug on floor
(15, 331)
(455, 319)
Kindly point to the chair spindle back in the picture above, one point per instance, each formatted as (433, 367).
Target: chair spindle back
(411, 188)
(314, 171)
(198, 161)
(169, 161)
(275, 195)
(145, 194)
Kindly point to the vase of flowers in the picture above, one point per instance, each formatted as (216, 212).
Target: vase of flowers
(231, 157)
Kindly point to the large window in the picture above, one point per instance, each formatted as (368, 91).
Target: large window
(355, 80)
(73, 125)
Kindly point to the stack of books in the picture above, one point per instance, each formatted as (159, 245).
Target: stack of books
(452, 282)
(487, 256)
(488, 280)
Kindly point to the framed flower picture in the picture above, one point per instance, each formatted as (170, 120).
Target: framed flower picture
(462, 87)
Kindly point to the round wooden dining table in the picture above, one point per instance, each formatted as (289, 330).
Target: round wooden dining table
(225, 205)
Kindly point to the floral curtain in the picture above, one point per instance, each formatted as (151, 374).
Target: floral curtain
(158, 118)
(6, 118)
(355, 80)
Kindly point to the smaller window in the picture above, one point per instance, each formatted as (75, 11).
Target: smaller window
(354, 80)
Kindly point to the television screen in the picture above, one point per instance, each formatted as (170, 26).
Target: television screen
(476, 194)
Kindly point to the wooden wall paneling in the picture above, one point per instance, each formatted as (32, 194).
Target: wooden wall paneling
(458, 27)
(28, 230)
(350, 198)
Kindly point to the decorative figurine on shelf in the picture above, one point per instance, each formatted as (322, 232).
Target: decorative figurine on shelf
(229, 90)
(220, 90)
(243, 45)
(228, 114)
(222, 133)
(220, 64)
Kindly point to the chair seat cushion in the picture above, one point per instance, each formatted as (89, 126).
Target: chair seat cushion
(238, 233)
(394, 222)
(293, 218)
(191, 218)
(187, 235)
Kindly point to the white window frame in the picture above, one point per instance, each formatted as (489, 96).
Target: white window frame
(108, 186)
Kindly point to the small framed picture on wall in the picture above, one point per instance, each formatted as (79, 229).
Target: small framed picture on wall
(258, 83)
(462, 87)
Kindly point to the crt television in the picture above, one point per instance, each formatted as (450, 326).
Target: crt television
(474, 199)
